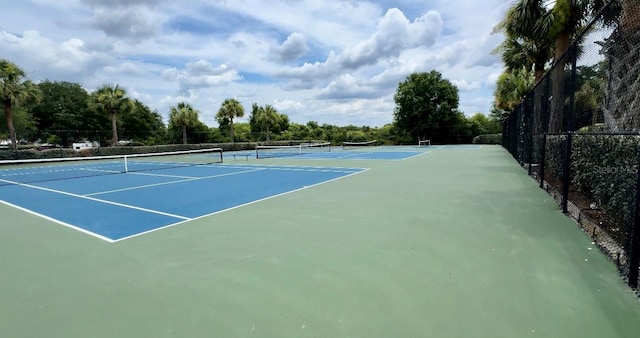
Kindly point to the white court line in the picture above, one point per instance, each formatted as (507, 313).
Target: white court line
(171, 182)
(288, 167)
(97, 200)
(361, 153)
(239, 206)
(416, 155)
(350, 172)
(59, 222)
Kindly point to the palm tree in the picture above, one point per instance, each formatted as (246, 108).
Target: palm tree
(13, 89)
(554, 26)
(511, 88)
(527, 44)
(564, 21)
(112, 99)
(266, 118)
(185, 116)
(230, 109)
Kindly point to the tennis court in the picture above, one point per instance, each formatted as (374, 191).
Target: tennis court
(89, 197)
(454, 242)
(324, 151)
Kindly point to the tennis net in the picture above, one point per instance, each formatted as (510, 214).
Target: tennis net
(52, 169)
(299, 149)
(357, 145)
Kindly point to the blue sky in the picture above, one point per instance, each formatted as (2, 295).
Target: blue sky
(336, 62)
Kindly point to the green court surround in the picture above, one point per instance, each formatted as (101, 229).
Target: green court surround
(452, 243)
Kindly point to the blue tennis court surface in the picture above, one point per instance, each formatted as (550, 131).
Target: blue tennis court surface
(120, 206)
(364, 155)
(356, 154)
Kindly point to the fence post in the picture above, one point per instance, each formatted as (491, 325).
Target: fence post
(566, 180)
(504, 132)
(573, 54)
(520, 141)
(542, 159)
(528, 113)
(634, 234)
(566, 172)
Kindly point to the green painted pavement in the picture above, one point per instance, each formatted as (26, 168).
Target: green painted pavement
(452, 243)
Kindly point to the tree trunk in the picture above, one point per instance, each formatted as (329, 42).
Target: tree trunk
(114, 130)
(231, 130)
(556, 116)
(268, 136)
(621, 107)
(8, 115)
(184, 134)
(539, 71)
(540, 94)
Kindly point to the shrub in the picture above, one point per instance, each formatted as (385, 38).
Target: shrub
(487, 139)
(603, 168)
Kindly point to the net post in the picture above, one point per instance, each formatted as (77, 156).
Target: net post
(126, 165)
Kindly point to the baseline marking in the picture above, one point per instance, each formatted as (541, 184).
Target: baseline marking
(98, 200)
(59, 222)
(239, 206)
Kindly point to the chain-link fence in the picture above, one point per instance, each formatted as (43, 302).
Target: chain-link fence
(578, 133)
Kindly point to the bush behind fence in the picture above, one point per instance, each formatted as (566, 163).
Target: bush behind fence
(577, 134)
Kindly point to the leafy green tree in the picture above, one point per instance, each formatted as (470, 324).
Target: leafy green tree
(296, 131)
(283, 122)
(197, 133)
(63, 111)
(228, 112)
(112, 100)
(498, 116)
(143, 125)
(357, 136)
(184, 116)
(511, 88)
(224, 125)
(214, 136)
(14, 88)
(334, 134)
(478, 124)
(589, 96)
(426, 106)
(23, 123)
(314, 132)
(242, 132)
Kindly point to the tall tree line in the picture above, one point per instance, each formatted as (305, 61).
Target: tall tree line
(64, 112)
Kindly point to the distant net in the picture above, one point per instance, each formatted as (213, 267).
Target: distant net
(299, 149)
(52, 169)
(424, 143)
(357, 145)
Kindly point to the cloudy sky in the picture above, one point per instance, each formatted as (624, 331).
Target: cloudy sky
(330, 61)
